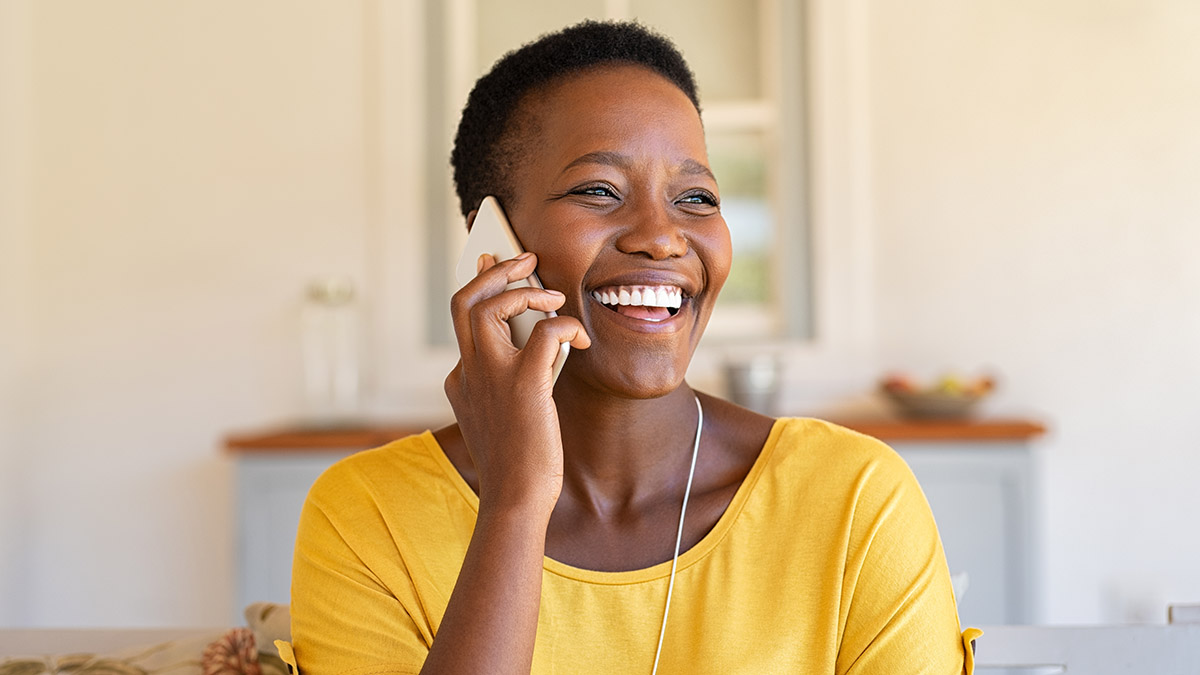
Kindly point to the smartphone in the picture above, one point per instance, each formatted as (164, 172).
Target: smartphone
(491, 233)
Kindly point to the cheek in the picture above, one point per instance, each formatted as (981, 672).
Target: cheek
(563, 258)
(717, 256)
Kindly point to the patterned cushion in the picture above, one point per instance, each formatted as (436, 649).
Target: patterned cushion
(238, 651)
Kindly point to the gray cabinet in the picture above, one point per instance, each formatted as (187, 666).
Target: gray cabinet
(271, 488)
(981, 494)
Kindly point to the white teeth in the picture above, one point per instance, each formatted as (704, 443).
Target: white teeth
(649, 296)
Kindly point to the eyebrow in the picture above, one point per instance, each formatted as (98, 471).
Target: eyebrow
(688, 167)
(691, 167)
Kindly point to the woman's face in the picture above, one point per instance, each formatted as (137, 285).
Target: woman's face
(617, 201)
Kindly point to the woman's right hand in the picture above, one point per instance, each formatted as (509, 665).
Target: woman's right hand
(503, 396)
(503, 399)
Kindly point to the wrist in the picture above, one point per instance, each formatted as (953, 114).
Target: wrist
(516, 508)
(526, 495)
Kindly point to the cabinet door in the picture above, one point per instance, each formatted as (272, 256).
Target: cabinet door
(271, 492)
(980, 497)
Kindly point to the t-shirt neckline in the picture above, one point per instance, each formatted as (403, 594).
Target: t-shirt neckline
(656, 571)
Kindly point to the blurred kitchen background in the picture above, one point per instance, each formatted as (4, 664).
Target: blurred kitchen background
(1005, 186)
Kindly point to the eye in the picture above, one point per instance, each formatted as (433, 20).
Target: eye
(598, 190)
(700, 199)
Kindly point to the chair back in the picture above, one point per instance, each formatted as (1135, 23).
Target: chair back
(1172, 649)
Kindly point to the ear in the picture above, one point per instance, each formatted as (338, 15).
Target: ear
(471, 218)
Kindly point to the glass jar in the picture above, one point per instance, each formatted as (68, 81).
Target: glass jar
(330, 346)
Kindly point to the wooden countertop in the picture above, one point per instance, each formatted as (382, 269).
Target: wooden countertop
(339, 438)
(372, 435)
(947, 430)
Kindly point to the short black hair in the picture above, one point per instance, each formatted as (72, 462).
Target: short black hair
(485, 154)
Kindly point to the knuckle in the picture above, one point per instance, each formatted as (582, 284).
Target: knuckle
(460, 301)
(546, 327)
(478, 312)
(454, 388)
(556, 325)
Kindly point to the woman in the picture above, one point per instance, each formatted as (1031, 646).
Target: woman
(539, 533)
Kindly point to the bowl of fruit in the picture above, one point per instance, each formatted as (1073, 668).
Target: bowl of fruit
(949, 397)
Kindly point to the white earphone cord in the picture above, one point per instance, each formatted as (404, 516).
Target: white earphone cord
(679, 537)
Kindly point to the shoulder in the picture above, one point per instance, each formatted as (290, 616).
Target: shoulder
(369, 502)
(816, 469)
(403, 467)
(817, 445)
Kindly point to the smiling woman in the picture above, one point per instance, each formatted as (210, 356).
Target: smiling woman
(544, 532)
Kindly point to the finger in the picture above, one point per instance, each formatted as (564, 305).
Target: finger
(556, 331)
(548, 337)
(486, 260)
(489, 327)
(512, 269)
(494, 278)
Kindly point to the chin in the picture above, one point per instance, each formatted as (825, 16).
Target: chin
(632, 378)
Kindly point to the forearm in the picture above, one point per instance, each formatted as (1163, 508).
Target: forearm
(491, 620)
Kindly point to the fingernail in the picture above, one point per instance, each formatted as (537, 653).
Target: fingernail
(479, 263)
(551, 291)
(523, 256)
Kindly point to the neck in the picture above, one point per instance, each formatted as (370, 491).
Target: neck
(619, 453)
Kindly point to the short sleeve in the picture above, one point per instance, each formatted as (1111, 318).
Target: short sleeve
(969, 636)
(345, 619)
(900, 617)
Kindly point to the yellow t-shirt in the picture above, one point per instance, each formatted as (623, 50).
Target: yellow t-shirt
(826, 561)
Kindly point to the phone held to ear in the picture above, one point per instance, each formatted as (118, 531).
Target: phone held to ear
(491, 233)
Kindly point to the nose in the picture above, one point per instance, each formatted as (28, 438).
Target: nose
(653, 232)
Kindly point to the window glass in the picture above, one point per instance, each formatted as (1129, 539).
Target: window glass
(721, 40)
(503, 26)
(738, 159)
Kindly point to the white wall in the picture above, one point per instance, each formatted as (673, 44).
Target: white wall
(191, 166)
(14, 316)
(1036, 211)
(177, 172)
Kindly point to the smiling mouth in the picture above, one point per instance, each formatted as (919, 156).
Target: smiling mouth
(648, 303)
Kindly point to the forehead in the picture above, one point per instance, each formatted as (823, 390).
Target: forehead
(593, 83)
(612, 105)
